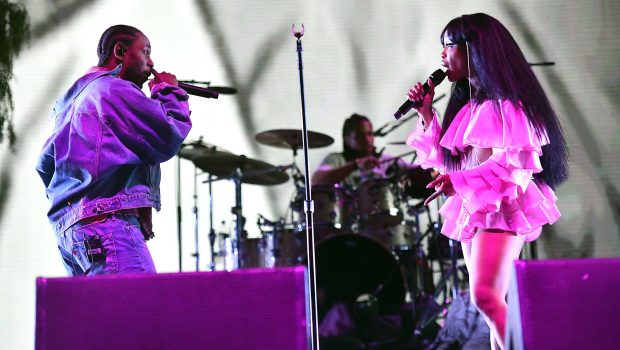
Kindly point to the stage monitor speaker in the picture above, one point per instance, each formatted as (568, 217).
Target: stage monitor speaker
(564, 304)
(244, 309)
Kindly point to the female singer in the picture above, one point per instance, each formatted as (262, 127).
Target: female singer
(501, 152)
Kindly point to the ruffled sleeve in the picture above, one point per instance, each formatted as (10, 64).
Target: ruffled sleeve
(425, 142)
(499, 192)
(492, 124)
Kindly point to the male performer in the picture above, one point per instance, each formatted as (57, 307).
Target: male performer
(100, 166)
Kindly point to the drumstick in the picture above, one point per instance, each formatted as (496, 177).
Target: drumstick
(399, 156)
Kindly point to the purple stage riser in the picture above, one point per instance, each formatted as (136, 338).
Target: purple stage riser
(564, 304)
(244, 309)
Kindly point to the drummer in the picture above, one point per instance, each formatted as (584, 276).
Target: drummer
(359, 159)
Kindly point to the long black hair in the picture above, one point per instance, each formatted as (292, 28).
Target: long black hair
(109, 38)
(502, 72)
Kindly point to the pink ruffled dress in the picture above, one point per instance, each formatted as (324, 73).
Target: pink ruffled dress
(494, 188)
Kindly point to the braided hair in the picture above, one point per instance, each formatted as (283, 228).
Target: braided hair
(109, 38)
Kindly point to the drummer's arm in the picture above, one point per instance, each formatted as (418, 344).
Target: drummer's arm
(327, 175)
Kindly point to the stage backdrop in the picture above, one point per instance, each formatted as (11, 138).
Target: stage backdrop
(360, 57)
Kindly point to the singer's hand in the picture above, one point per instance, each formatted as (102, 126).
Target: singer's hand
(442, 184)
(425, 101)
(162, 77)
(367, 163)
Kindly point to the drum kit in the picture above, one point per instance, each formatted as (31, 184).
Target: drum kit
(369, 238)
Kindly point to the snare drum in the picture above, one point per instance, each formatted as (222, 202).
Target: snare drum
(378, 204)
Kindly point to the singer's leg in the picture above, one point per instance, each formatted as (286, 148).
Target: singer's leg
(489, 258)
(466, 247)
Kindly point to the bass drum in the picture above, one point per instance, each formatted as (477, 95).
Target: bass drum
(351, 265)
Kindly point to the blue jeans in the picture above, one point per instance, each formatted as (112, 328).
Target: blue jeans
(124, 247)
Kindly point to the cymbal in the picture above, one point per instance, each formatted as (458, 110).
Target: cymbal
(190, 150)
(292, 138)
(397, 143)
(253, 171)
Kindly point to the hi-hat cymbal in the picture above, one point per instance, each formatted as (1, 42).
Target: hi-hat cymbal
(292, 138)
(253, 171)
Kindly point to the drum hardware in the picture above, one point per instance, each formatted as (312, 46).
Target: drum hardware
(422, 309)
(189, 151)
(284, 243)
(224, 164)
(396, 158)
(237, 211)
(221, 164)
(378, 204)
(241, 169)
(448, 281)
(293, 139)
(225, 248)
(333, 211)
(212, 234)
(196, 254)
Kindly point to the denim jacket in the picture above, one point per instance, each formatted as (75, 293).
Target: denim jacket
(106, 146)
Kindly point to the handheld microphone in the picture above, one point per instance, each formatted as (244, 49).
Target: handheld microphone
(437, 77)
(199, 91)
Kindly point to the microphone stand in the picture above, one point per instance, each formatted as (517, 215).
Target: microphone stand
(308, 204)
(392, 125)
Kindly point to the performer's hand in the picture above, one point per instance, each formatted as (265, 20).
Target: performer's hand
(367, 163)
(442, 184)
(425, 101)
(162, 77)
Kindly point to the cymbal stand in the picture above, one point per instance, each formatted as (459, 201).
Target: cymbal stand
(308, 205)
(178, 199)
(298, 182)
(417, 287)
(212, 234)
(237, 211)
(196, 254)
(451, 275)
(211, 265)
